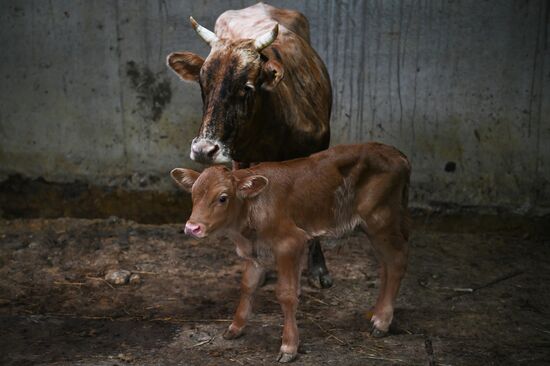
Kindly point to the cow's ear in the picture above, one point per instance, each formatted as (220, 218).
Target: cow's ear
(185, 178)
(251, 186)
(186, 64)
(273, 72)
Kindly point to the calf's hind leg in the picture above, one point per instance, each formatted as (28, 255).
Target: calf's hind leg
(391, 250)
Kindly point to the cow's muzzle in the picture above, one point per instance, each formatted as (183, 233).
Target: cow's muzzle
(208, 152)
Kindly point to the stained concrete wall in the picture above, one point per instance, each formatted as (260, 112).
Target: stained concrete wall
(462, 87)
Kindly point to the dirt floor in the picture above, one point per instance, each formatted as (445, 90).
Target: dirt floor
(468, 299)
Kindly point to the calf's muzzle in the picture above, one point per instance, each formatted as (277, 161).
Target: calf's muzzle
(193, 229)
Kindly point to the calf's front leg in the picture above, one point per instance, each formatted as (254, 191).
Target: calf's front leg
(288, 256)
(252, 276)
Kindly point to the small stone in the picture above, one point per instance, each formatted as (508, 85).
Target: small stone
(201, 336)
(117, 277)
(125, 357)
(33, 245)
(135, 279)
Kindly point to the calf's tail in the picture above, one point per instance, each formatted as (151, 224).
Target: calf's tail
(406, 220)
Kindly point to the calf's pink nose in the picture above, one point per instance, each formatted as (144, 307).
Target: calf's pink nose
(192, 228)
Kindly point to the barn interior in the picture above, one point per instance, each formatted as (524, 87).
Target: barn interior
(92, 121)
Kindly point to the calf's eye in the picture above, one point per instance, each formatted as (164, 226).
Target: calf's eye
(222, 198)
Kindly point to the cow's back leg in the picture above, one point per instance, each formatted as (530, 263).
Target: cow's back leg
(318, 275)
(383, 227)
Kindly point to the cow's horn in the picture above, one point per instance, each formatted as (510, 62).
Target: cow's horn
(266, 39)
(208, 36)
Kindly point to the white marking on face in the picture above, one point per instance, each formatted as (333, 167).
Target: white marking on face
(222, 158)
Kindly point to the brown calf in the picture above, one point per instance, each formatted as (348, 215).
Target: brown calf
(271, 210)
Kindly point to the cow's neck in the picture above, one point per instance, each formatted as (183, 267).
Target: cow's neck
(268, 129)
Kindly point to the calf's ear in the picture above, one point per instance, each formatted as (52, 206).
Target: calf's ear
(185, 178)
(273, 73)
(186, 64)
(251, 186)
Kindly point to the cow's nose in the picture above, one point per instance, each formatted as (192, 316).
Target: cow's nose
(193, 229)
(204, 150)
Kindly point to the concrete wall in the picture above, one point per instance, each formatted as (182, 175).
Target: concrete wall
(462, 87)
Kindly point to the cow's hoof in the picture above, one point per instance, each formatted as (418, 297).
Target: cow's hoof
(286, 357)
(377, 333)
(326, 280)
(320, 280)
(232, 333)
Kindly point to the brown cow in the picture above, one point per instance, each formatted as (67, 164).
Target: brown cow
(271, 210)
(266, 94)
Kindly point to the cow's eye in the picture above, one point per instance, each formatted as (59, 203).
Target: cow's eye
(248, 87)
(222, 198)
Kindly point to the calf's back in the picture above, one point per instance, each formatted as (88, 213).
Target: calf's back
(326, 193)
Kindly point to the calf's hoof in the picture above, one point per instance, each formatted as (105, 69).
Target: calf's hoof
(286, 357)
(232, 333)
(320, 280)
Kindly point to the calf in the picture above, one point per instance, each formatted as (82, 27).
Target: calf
(271, 210)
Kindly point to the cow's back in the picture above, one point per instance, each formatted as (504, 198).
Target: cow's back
(257, 19)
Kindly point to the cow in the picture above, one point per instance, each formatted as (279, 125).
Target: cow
(272, 209)
(266, 95)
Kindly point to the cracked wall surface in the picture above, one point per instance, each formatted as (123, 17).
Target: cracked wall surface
(462, 87)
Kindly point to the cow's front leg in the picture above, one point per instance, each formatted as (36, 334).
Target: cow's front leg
(318, 275)
(288, 256)
(252, 276)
